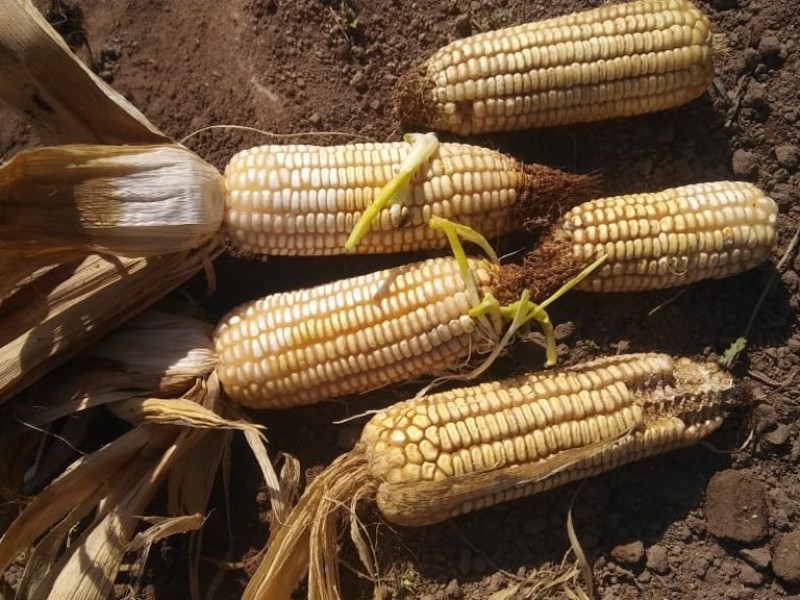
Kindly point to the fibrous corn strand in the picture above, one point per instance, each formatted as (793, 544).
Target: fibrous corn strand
(616, 60)
(305, 200)
(656, 240)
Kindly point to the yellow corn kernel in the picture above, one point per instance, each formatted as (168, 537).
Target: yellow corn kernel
(616, 60)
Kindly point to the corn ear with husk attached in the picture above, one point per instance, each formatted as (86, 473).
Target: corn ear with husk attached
(129, 200)
(433, 457)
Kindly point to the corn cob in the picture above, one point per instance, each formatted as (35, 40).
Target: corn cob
(617, 60)
(350, 336)
(431, 458)
(366, 332)
(302, 200)
(665, 239)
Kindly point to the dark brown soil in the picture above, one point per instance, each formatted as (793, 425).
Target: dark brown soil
(302, 66)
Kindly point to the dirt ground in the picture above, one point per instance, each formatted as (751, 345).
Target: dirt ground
(718, 521)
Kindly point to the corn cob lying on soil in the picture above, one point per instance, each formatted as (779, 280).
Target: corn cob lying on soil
(304, 200)
(617, 60)
(431, 458)
(366, 332)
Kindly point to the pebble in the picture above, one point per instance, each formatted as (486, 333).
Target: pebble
(769, 46)
(756, 557)
(778, 436)
(657, 560)
(736, 507)
(359, 82)
(744, 163)
(788, 156)
(756, 96)
(628, 554)
(315, 119)
(765, 418)
(749, 576)
(786, 558)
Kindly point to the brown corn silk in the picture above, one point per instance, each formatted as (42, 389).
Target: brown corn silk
(431, 458)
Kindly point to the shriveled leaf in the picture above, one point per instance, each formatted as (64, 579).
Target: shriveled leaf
(164, 527)
(49, 85)
(507, 594)
(129, 200)
(176, 411)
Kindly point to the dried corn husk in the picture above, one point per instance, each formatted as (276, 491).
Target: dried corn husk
(61, 309)
(129, 200)
(100, 500)
(55, 297)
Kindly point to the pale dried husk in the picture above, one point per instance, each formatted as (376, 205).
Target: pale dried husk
(55, 297)
(77, 532)
(129, 200)
(59, 310)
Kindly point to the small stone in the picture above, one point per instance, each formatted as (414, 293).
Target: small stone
(749, 576)
(644, 577)
(628, 554)
(744, 163)
(756, 557)
(756, 96)
(453, 589)
(657, 560)
(765, 418)
(359, 82)
(375, 104)
(736, 507)
(301, 83)
(778, 436)
(788, 156)
(786, 558)
(315, 119)
(769, 46)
